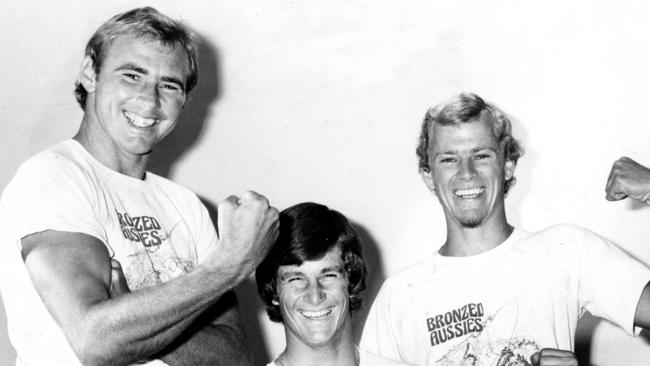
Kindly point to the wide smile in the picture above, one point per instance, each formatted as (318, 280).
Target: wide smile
(316, 315)
(139, 121)
(469, 193)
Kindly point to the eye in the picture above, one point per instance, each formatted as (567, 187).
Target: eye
(172, 87)
(294, 279)
(331, 275)
(482, 156)
(131, 76)
(448, 160)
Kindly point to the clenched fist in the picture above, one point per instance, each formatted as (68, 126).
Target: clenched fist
(554, 357)
(248, 227)
(628, 179)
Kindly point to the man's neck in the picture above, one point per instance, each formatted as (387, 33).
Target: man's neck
(132, 166)
(463, 241)
(341, 353)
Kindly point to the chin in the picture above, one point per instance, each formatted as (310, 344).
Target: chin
(320, 341)
(471, 221)
(141, 149)
(471, 224)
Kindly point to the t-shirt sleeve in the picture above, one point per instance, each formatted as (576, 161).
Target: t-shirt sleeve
(206, 239)
(610, 280)
(49, 193)
(379, 332)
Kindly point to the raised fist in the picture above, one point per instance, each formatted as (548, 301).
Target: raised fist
(247, 228)
(628, 179)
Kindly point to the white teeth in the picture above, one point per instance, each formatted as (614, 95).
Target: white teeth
(468, 193)
(316, 314)
(140, 121)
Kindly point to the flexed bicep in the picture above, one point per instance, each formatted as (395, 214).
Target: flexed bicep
(70, 272)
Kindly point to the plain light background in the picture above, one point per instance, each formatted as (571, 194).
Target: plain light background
(322, 101)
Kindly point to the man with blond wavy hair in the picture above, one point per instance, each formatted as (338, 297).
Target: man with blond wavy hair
(111, 264)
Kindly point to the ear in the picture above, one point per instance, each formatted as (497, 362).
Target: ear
(87, 75)
(427, 177)
(509, 169)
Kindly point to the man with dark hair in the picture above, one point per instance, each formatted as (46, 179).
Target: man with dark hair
(493, 294)
(311, 281)
(110, 264)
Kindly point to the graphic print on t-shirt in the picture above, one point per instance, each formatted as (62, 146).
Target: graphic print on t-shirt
(154, 259)
(455, 323)
(143, 229)
(484, 346)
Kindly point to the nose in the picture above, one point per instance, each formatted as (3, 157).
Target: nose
(467, 169)
(315, 293)
(150, 94)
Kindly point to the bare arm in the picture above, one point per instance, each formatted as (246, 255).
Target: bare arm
(627, 178)
(216, 337)
(72, 273)
(221, 342)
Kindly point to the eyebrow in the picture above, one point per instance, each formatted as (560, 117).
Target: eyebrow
(143, 71)
(332, 269)
(484, 148)
(286, 275)
(471, 151)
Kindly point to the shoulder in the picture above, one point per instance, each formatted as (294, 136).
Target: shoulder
(66, 166)
(565, 232)
(409, 279)
(564, 229)
(52, 160)
(414, 272)
(566, 237)
(57, 165)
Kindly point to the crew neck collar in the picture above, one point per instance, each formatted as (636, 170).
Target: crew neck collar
(511, 240)
(110, 174)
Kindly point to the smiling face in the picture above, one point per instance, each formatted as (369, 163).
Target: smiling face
(314, 301)
(468, 171)
(136, 98)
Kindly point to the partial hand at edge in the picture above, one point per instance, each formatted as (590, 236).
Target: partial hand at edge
(554, 357)
(627, 178)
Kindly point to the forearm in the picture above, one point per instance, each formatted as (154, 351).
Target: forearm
(213, 345)
(140, 324)
(217, 337)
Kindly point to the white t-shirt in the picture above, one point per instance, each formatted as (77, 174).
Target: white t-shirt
(367, 359)
(155, 228)
(524, 295)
